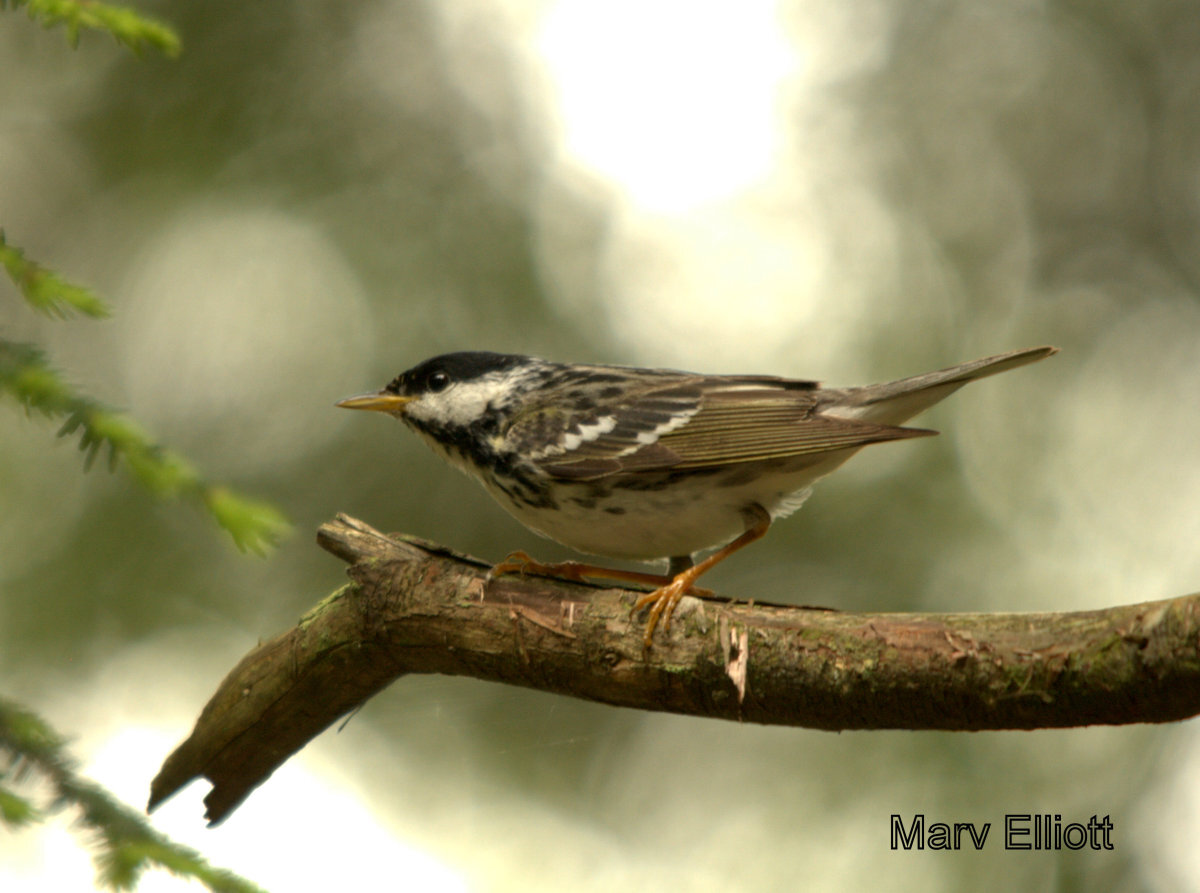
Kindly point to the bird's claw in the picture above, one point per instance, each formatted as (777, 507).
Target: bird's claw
(662, 603)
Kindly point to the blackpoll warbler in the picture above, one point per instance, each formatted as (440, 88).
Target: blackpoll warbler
(651, 463)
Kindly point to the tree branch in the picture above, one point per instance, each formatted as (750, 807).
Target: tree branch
(414, 607)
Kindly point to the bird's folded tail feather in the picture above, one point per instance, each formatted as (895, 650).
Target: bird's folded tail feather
(895, 401)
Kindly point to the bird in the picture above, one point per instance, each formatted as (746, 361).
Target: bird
(644, 464)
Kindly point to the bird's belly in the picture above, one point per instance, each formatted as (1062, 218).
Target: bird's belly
(663, 516)
(633, 525)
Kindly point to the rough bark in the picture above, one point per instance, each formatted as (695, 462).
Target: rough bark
(415, 607)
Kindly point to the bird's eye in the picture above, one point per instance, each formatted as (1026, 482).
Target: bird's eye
(438, 381)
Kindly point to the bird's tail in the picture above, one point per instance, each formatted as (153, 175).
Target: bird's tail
(894, 402)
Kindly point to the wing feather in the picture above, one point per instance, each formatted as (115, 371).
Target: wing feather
(744, 425)
(573, 435)
(695, 422)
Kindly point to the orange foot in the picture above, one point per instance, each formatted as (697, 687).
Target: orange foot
(522, 563)
(663, 601)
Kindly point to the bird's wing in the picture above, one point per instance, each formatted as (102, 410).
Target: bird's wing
(697, 422)
(597, 422)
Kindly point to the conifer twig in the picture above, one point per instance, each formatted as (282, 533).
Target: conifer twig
(126, 845)
(28, 376)
(126, 25)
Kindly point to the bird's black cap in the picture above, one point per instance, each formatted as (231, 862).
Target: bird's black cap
(436, 373)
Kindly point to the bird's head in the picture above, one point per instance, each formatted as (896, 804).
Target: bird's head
(453, 393)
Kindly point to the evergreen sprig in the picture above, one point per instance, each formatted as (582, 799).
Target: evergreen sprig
(45, 291)
(28, 376)
(126, 844)
(131, 28)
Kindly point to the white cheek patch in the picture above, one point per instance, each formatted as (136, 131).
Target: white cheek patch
(460, 404)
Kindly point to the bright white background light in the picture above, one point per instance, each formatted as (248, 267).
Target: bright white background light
(676, 104)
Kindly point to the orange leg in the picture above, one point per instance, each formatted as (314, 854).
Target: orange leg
(522, 563)
(663, 600)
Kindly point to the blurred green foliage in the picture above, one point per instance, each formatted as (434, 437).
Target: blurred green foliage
(27, 375)
(132, 28)
(126, 846)
(45, 291)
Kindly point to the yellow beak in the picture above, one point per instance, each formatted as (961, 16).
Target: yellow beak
(380, 402)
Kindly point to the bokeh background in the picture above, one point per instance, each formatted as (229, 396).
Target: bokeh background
(316, 196)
